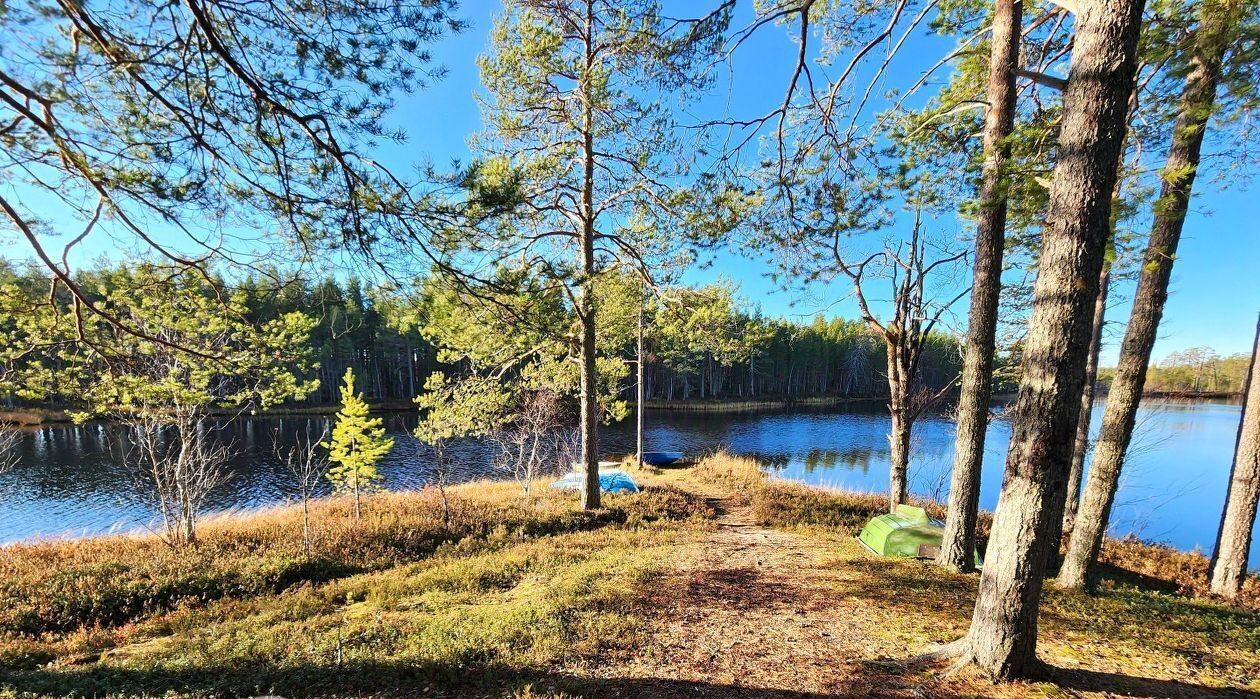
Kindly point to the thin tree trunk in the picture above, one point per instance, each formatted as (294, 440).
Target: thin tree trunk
(959, 541)
(1081, 445)
(639, 391)
(752, 376)
(1125, 394)
(1002, 640)
(411, 369)
(306, 524)
(899, 425)
(1229, 559)
(899, 440)
(586, 312)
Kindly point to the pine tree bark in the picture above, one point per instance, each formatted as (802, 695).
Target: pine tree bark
(589, 408)
(1229, 559)
(589, 402)
(959, 541)
(1003, 636)
(1081, 445)
(1125, 393)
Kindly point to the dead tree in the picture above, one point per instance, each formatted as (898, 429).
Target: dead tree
(915, 315)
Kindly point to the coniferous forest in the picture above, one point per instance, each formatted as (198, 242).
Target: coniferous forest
(329, 331)
(726, 351)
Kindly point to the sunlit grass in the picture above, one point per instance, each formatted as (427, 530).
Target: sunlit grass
(512, 580)
(533, 598)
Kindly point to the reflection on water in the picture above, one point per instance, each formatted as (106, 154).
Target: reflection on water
(70, 479)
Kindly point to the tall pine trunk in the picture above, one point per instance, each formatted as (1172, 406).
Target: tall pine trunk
(588, 409)
(1229, 559)
(1002, 640)
(589, 405)
(959, 541)
(1081, 444)
(1120, 415)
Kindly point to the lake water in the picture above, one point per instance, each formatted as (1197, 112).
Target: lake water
(70, 480)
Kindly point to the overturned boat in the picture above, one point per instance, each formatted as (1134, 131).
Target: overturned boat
(661, 458)
(613, 480)
(906, 532)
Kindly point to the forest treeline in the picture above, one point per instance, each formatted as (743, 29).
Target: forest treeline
(709, 345)
(1193, 370)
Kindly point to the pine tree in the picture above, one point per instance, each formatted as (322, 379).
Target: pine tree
(358, 443)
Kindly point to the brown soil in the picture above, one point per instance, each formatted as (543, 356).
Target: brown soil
(760, 613)
(753, 612)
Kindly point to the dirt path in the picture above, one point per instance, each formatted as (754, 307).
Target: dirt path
(757, 613)
(754, 612)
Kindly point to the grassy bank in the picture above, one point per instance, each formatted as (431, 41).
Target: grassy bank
(511, 582)
(1150, 629)
(657, 595)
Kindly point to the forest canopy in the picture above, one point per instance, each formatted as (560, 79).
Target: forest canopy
(705, 343)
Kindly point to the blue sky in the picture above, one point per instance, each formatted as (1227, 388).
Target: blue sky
(1216, 282)
(1215, 296)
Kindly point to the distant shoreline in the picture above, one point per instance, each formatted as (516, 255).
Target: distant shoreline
(34, 415)
(1191, 395)
(31, 416)
(753, 405)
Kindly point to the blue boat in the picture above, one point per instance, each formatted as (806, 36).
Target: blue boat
(610, 481)
(661, 458)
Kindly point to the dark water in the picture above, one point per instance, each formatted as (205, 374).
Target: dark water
(70, 481)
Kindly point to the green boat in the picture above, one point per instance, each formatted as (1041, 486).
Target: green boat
(907, 532)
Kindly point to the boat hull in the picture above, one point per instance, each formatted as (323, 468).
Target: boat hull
(661, 458)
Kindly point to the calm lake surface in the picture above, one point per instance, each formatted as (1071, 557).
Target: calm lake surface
(70, 480)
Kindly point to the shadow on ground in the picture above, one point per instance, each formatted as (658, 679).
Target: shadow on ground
(1111, 684)
(395, 679)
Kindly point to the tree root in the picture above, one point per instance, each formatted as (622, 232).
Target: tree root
(945, 651)
(958, 651)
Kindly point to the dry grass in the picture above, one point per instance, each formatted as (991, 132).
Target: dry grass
(787, 504)
(802, 606)
(1133, 563)
(60, 598)
(714, 582)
